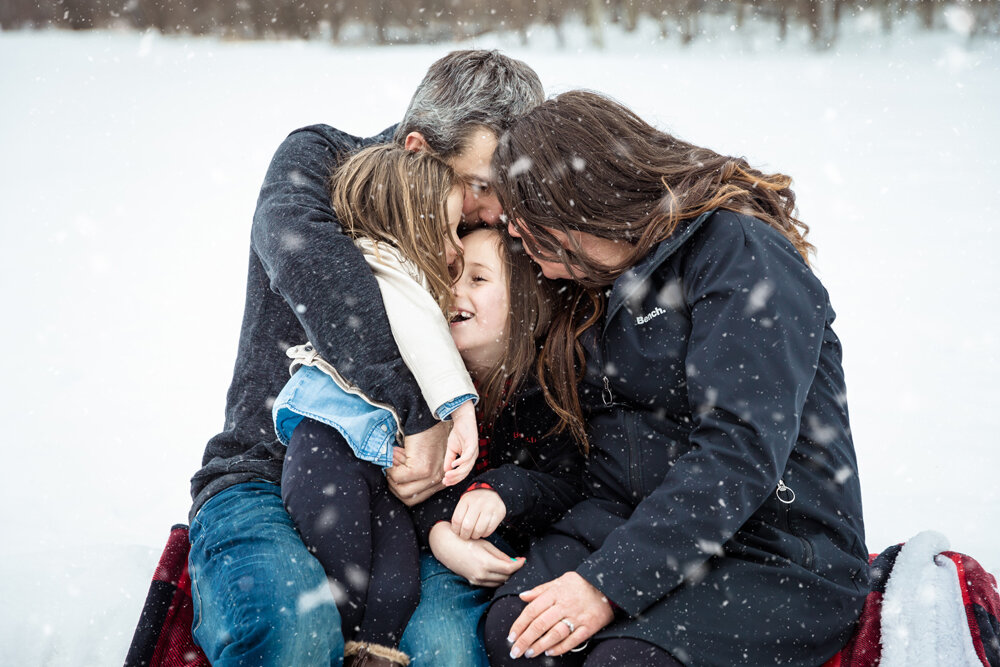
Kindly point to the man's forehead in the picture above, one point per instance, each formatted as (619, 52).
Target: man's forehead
(474, 160)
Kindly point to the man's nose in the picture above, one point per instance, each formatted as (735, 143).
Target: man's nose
(490, 216)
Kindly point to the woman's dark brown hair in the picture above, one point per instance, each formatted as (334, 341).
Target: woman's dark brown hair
(581, 162)
(531, 301)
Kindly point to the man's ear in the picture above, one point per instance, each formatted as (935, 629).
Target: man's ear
(415, 142)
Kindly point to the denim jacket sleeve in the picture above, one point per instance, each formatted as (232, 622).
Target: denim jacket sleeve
(322, 275)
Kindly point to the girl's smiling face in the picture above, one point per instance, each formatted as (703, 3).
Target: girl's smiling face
(481, 307)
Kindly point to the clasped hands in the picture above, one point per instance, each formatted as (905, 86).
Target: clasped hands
(461, 546)
(441, 456)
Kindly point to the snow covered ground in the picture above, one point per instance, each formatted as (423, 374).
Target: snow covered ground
(129, 168)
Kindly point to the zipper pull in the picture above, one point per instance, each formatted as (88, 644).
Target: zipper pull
(784, 493)
(606, 395)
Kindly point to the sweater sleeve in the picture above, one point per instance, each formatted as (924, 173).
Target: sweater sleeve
(757, 323)
(419, 329)
(323, 277)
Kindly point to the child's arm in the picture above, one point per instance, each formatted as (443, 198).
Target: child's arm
(481, 563)
(538, 489)
(295, 230)
(463, 444)
(536, 482)
(537, 476)
(424, 340)
(538, 496)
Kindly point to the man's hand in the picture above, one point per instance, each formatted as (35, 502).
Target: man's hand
(463, 444)
(478, 514)
(418, 476)
(561, 614)
(481, 563)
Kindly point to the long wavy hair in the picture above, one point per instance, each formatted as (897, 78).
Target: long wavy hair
(581, 162)
(400, 197)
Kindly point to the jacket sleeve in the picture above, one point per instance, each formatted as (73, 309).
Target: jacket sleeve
(324, 278)
(438, 507)
(420, 331)
(540, 484)
(538, 478)
(758, 316)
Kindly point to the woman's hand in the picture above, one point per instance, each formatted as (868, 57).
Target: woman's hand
(477, 560)
(561, 614)
(478, 514)
(463, 444)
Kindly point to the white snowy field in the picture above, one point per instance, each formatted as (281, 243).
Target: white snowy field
(129, 169)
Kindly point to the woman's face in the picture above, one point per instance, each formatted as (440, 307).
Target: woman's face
(481, 306)
(603, 251)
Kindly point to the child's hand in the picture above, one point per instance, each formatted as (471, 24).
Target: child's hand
(478, 514)
(463, 444)
(481, 563)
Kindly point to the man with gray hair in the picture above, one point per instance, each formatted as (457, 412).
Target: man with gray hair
(260, 597)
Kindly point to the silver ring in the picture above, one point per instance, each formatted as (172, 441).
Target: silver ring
(569, 624)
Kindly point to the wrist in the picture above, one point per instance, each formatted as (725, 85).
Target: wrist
(466, 409)
(436, 533)
(476, 486)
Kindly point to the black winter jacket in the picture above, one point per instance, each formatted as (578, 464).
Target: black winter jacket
(715, 392)
(306, 281)
(538, 477)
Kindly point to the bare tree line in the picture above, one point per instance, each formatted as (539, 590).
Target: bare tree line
(408, 21)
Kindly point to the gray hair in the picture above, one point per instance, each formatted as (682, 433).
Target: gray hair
(465, 89)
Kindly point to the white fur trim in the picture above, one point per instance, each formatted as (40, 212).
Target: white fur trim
(923, 617)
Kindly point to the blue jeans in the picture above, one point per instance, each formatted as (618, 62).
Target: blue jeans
(260, 598)
(447, 627)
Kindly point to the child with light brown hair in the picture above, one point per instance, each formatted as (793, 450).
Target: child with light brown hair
(403, 209)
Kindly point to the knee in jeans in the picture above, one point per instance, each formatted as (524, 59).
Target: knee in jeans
(295, 625)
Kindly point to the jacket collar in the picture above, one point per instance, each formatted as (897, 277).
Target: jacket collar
(633, 280)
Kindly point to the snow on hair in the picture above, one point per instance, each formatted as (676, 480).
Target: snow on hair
(465, 89)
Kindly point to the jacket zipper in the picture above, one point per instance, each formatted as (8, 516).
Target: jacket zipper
(786, 497)
(632, 439)
(607, 396)
(634, 455)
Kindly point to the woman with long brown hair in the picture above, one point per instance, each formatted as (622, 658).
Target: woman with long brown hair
(699, 369)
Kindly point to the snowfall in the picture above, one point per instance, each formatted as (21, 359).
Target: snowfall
(129, 168)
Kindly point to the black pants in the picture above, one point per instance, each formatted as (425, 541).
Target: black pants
(358, 530)
(619, 651)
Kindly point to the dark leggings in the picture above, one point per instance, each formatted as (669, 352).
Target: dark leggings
(618, 651)
(358, 530)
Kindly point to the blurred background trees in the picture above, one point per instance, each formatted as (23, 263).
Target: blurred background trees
(412, 21)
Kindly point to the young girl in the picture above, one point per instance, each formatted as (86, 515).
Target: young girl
(403, 209)
(527, 476)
